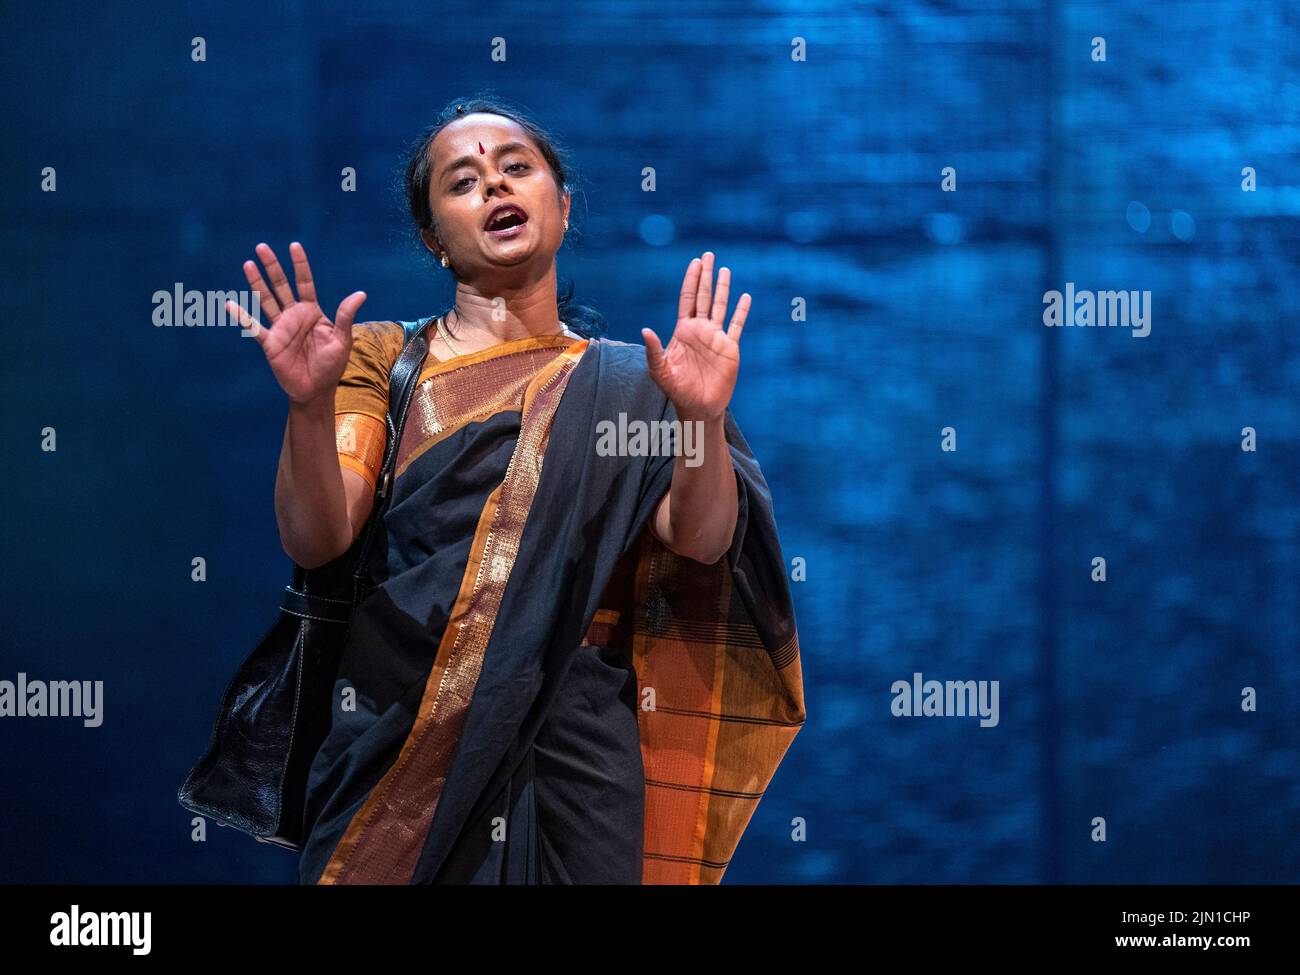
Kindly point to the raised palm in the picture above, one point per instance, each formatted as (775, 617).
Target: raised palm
(698, 369)
(306, 351)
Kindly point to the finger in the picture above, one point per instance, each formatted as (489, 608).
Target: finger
(251, 325)
(705, 294)
(719, 313)
(686, 303)
(280, 284)
(738, 319)
(270, 307)
(654, 351)
(302, 273)
(347, 313)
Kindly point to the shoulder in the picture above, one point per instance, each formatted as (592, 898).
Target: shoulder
(379, 332)
(380, 342)
(625, 360)
(625, 357)
(623, 364)
(620, 348)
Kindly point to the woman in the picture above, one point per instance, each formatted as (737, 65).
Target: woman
(578, 665)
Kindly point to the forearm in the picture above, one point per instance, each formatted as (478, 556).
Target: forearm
(310, 503)
(697, 517)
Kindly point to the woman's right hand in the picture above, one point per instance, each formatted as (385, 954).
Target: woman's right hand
(307, 352)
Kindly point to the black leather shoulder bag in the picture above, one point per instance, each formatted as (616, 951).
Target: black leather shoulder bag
(276, 710)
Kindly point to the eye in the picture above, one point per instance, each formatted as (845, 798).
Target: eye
(456, 186)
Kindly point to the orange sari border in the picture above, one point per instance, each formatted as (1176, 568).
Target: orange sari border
(360, 440)
(723, 712)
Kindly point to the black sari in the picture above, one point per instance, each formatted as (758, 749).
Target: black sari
(492, 721)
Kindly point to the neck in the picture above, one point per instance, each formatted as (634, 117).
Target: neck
(480, 320)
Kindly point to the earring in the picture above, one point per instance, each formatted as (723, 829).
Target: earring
(444, 260)
(566, 223)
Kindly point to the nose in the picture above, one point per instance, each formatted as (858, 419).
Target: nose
(494, 184)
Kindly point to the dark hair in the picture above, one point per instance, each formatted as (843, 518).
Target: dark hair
(583, 319)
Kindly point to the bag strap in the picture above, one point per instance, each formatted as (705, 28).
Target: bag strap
(401, 386)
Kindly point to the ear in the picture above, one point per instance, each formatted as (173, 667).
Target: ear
(567, 201)
(430, 242)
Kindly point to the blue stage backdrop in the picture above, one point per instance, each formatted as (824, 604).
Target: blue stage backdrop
(901, 186)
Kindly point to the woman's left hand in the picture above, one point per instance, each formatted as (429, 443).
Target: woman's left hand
(698, 369)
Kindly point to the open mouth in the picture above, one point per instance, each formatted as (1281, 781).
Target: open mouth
(505, 220)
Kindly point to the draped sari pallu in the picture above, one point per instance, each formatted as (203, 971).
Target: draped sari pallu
(715, 650)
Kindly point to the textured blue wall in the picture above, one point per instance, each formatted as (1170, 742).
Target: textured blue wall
(816, 180)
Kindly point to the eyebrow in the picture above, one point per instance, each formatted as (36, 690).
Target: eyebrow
(498, 151)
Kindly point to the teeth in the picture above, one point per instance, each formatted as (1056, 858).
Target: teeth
(512, 212)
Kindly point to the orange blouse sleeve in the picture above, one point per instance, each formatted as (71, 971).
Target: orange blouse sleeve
(361, 400)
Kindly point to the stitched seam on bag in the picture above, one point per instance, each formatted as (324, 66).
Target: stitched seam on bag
(324, 599)
(319, 619)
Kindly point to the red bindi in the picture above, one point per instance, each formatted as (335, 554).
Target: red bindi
(481, 150)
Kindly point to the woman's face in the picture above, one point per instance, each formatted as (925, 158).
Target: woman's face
(467, 186)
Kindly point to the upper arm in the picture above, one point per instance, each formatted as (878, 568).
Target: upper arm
(360, 405)
(360, 441)
(360, 495)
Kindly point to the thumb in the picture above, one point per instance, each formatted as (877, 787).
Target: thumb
(654, 351)
(247, 323)
(348, 309)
